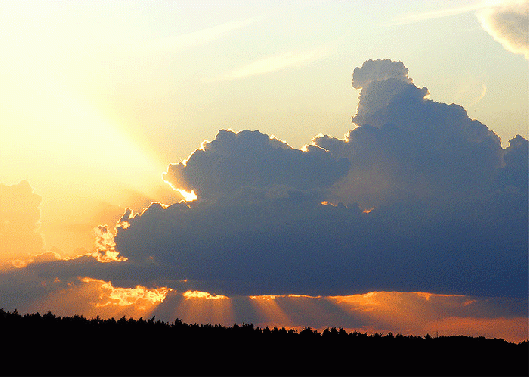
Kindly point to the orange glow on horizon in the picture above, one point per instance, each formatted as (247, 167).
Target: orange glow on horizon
(205, 295)
(139, 296)
(512, 329)
(418, 313)
(264, 297)
(302, 296)
(267, 307)
(407, 313)
(94, 297)
(204, 307)
(368, 210)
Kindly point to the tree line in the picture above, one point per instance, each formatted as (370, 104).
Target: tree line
(48, 344)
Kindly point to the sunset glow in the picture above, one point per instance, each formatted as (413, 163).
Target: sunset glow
(269, 309)
(140, 296)
(290, 164)
(203, 295)
(203, 307)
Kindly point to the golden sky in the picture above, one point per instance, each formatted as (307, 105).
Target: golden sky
(100, 99)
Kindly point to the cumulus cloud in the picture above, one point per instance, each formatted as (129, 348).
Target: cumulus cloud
(508, 24)
(407, 147)
(379, 70)
(427, 169)
(286, 246)
(19, 223)
(253, 161)
(417, 198)
(514, 173)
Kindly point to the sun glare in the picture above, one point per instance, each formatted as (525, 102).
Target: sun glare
(206, 295)
(189, 196)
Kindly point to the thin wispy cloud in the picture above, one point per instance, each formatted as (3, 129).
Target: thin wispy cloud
(199, 37)
(411, 18)
(506, 21)
(276, 63)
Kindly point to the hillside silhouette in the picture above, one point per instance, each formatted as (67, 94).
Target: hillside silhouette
(47, 344)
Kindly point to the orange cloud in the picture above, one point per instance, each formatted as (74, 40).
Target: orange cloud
(205, 295)
(93, 297)
(407, 313)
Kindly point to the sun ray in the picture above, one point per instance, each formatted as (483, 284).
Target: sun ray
(205, 308)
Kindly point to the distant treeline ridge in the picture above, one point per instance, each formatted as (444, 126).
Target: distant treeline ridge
(54, 345)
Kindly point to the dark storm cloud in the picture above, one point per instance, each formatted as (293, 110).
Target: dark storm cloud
(250, 160)
(450, 209)
(450, 206)
(288, 246)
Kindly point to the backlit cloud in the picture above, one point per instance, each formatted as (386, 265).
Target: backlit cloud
(508, 23)
(256, 163)
(417, 198)
(408, 147)
(382, 209)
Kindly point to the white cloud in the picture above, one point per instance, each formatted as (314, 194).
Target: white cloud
(509, 25)
(411, 18)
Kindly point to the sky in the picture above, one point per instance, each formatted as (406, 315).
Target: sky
(354, 164)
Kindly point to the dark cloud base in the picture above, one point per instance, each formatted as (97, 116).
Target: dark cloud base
(285, 247)
(450, 205)
(417, 197)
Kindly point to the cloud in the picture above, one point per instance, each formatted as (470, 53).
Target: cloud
(19, 223)
(379, 70)
(286, 246)
(407, 147)
(277, 63)
(196, 38)
(440, 13)
(514, 173)
(417, 198)
(508, 23)
(415, 313)
(450, 210)
(255, 163)
(265, 223)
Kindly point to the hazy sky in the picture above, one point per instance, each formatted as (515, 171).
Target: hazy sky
(99, 98)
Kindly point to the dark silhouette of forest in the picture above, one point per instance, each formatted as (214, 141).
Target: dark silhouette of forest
(36, 344)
